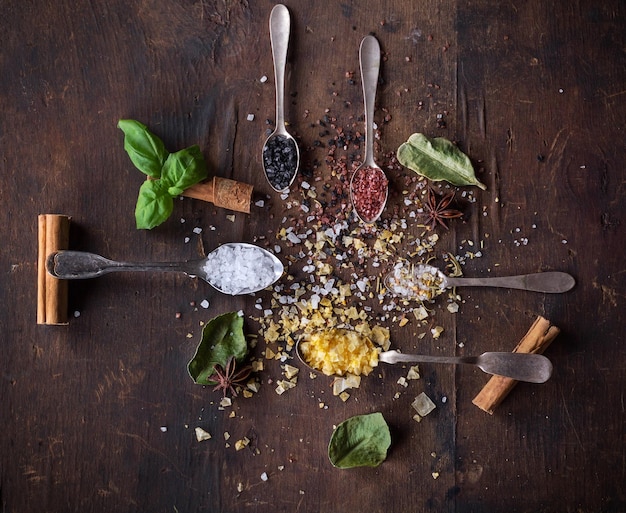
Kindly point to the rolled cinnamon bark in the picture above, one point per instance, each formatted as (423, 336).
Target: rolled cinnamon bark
(539, 337)
(54, 235)
(223, 193)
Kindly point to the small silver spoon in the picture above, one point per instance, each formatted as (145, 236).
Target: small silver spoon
(77, 265)
(425, 282)
(281, 156)
(532, 368)
(369, 171)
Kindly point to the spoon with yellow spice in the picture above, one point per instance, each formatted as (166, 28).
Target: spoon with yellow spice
(336, 352)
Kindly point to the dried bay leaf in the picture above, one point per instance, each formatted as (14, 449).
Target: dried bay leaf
(360, 441)
(222, 337)
(437, 159)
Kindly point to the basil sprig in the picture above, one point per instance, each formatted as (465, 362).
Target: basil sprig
(170, 173)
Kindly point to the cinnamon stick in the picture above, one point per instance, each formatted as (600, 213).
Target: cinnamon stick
(537, 339)
(223, 193)
(54, 235)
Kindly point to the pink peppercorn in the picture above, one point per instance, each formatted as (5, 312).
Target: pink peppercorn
(369, 192)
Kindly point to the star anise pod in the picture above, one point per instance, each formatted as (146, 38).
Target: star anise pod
(436, 209)
(228, 376)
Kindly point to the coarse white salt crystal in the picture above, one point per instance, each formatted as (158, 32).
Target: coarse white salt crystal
(202, 435)
(263, 79)
(293, 238)
(186, 240)
(264, 476)
(306, 185)
(423, 405)
(204, 303)
(76, 313)
(163, 429)
(260, 203)
(250, 117)
(197, 230)
(242, 269)
(182, 220)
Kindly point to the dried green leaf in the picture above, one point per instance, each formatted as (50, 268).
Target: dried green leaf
(360, 441)
(437, 159)
(222, 337)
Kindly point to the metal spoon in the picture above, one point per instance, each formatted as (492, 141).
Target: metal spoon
(532, 368)
(426, 282)
(76, 265)
(369, 57)
(281, 156)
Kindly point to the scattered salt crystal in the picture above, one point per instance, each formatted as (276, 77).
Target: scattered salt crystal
(186, 240)
(250, 117)
(197, 230)
(423, 405)
(264, 476)
(163, 429)
(202, 435)
(293, 238)
(182, 220)
(260, 203)
(204, 304)
(76, 313)
(263, 79)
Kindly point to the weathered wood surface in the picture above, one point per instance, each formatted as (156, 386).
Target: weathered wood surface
(533, 92)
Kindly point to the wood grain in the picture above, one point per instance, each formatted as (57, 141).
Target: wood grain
(100, 415)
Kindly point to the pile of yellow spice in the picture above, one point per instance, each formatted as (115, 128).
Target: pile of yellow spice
(337, 352)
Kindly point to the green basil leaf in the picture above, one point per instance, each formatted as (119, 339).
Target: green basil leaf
(222, 337)
(145, 149)
(154, 205)
(183, 169)
(437, 159)
(360, 441)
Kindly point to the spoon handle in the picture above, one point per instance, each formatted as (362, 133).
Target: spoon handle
(532, 368)
(78, 265)
(280, 24)
(550, 282)
(369, 57)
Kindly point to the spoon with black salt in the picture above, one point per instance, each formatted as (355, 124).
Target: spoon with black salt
(281, 156)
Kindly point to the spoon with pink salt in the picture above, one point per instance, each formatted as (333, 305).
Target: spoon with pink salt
(369, 185)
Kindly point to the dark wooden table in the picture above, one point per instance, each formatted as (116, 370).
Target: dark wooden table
(99, 415)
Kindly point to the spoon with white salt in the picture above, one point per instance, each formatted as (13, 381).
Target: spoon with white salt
(425, 282)
(281, 156)
(234, 268)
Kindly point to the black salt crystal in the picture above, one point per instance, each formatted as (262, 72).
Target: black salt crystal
(280, 160)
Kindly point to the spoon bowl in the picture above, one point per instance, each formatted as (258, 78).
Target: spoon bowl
(281, 156)
(233, 269)
(368, 184)
(531, 368)
(424, 282)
